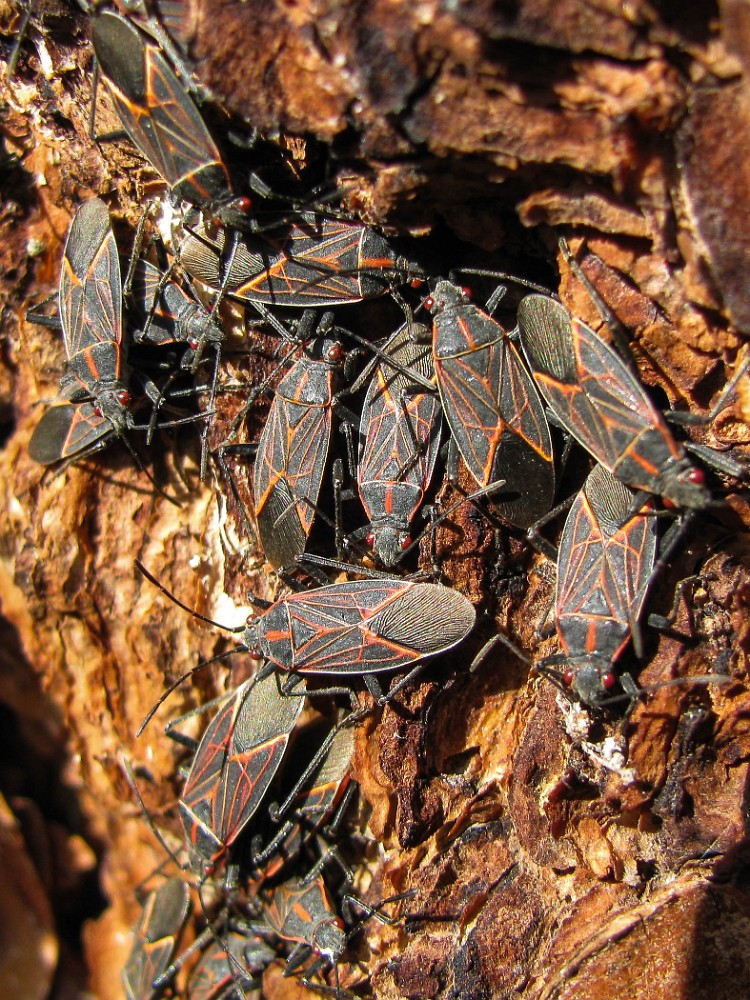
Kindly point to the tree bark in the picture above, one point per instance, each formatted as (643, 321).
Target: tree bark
(554, 853)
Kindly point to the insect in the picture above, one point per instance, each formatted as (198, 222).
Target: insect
(494, 412)
(300, 261)
(318, 796)
(69, 430)
(605, 564)
(230, 966)
(169, 316)
(292, 451)
(93, 405)
(233, 766)
(158, 114)
(162, 919)
(360, 627)
(399, 443)
(600, 402)
(301, 912)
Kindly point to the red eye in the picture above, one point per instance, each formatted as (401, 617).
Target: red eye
(336, 352)
(193, 343)
(416, 283)
(244, 204)
(124, 397)
(405, 542)
(697, 477)
(97, 410)
(608, 680)
(370, 539)
(568, 676)
(466, 291)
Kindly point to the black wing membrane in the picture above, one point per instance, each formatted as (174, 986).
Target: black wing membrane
(157, 113)
(91, 297)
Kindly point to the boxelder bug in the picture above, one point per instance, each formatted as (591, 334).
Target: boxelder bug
(360, 627)
(291, 457)
(299, 262)
(302, 913)
(94, 401)
(69, 430)
(163, 916)
(235, 762)
(605, 564)
(600, 402)
(492, 407)
(157, 113)
(169, 316)
(399, 443)
(320, 794)
(91, 319)
(230, 967)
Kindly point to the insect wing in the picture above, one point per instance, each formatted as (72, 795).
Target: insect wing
(164, 308)
(493, 409)
(236, 962)
(400, 442)
(291, 457)
(303, 912)
(152, 305)
(594, 395)
(363, 626)
(300, 263)
(91, 297)
(164, 914)
(320, 797)
(234, 764)
(605, 563)
(158, 115)
(67, 430)
(312, 806)
(321, 262)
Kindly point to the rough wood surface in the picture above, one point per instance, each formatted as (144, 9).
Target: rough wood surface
(555, 855)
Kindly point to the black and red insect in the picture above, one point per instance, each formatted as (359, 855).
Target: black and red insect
(163, 916)
(360, 627)
(230, 966)
(494, 412)
(302, 913)
(291, 457)
(399, 442)
(317, 799)
(167, 315)
(605, 564)
(94, 401)
(158, 114)
(297, 261)
(233, 766)
(597, 398)
(357, 628)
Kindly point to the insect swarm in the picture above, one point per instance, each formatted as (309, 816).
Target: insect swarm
(575, 159)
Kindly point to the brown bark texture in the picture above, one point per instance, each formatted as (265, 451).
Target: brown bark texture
(554, 852)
